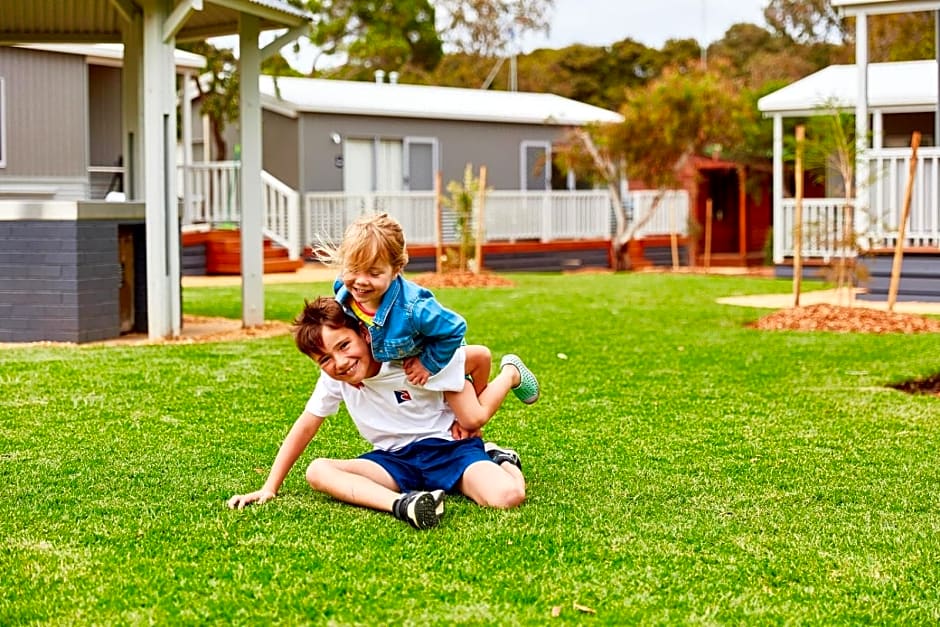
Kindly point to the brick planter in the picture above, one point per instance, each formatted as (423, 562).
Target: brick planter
(71, 271)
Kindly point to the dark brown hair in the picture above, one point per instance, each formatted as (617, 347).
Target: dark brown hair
(321, 312)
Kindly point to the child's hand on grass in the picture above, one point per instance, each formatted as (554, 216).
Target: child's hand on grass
(239, 501)
(415, 371)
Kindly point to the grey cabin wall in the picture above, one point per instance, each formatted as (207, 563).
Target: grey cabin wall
(495, 145)
(280, 157)
(46, 123)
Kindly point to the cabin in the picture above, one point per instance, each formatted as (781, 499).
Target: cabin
(334, 149)
(890, 102)
(63, 265)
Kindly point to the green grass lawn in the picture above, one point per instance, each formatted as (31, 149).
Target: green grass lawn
(682, 468)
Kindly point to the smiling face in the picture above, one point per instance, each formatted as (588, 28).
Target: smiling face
(345, 355)
(368, 284)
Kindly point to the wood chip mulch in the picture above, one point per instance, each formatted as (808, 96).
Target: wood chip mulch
(432, 280)
(846, 320)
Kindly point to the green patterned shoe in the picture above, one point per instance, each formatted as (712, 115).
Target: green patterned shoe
(528, 389)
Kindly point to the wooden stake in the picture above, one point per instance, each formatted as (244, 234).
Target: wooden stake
(742, 213)
(798, 217)
(673, 237)
(708, 234)
(902, 225)
(481, 213)
(438, 224)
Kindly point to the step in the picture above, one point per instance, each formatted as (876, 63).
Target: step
(271, 266)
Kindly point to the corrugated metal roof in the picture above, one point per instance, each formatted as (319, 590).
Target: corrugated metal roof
(892, 87)
(101, 21)
(423, 101)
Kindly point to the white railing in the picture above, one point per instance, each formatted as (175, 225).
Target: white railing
(877, 218)
(327, 214)
(546, 216)
(210, 193)
(281, 216)
(890, 168)
(211, 196)
(671, 215)
(509, 215)
(824, 229)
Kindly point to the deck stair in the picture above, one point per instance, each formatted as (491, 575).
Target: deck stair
(218, 252)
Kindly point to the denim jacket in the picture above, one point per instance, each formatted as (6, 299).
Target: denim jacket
(410, 322)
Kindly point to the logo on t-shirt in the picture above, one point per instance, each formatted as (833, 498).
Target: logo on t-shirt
(402, 395)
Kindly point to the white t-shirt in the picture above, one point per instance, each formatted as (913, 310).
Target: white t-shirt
(388, 411)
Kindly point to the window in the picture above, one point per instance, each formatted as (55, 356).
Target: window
(372, 165)
(420, 163)
(389, 165)
(535, 166)
(3, 124)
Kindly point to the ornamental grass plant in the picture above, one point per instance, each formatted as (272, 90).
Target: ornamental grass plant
(682, 468)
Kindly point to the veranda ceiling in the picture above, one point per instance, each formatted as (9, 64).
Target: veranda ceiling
(101, 21)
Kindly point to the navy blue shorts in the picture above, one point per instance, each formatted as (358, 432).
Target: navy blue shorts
(431, 464)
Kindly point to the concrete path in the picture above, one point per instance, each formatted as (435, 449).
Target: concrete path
(829, 297)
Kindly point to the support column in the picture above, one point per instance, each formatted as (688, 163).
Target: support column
(862, 192)
(252, 239)
(131, 111)
(158, 155)
(780, 225)
(187, 94)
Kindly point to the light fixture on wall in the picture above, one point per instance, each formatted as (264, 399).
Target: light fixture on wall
(336, 138)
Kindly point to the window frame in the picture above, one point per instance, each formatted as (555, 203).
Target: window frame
(524, 146)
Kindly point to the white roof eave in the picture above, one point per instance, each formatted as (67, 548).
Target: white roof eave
(430, 102)
(892, 87)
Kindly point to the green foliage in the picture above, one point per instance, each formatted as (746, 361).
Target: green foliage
(902, 36)
(682, 469)
(675, 117)
(376, 34)
(218, 91)
(491, 27)
(804, 21)
(463, 200)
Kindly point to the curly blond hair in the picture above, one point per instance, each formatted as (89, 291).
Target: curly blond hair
(373, 237)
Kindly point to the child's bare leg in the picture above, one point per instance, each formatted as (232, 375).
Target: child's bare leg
(365, 483)
(495, 393)
(491, 485)
(478, 364)
(357, 481)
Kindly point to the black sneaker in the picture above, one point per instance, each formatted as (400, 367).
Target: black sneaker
(422, 510)
(500, 455)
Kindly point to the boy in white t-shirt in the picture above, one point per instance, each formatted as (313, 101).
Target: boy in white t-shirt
(425, 442)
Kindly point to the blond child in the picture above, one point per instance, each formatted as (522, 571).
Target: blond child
(405, 321)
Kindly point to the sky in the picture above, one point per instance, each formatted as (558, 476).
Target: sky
(602, 22)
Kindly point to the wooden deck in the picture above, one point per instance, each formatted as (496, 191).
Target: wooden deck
(218, 252)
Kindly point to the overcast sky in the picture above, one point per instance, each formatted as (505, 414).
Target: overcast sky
(602, 22)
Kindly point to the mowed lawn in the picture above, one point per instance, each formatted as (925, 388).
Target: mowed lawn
(682, 468)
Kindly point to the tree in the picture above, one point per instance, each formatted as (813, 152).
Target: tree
(665, 124)
(831, 148)
(805, 21)
(218, 91)
(489, 27)
(901, 36)
(376, 34)
(462, 200)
